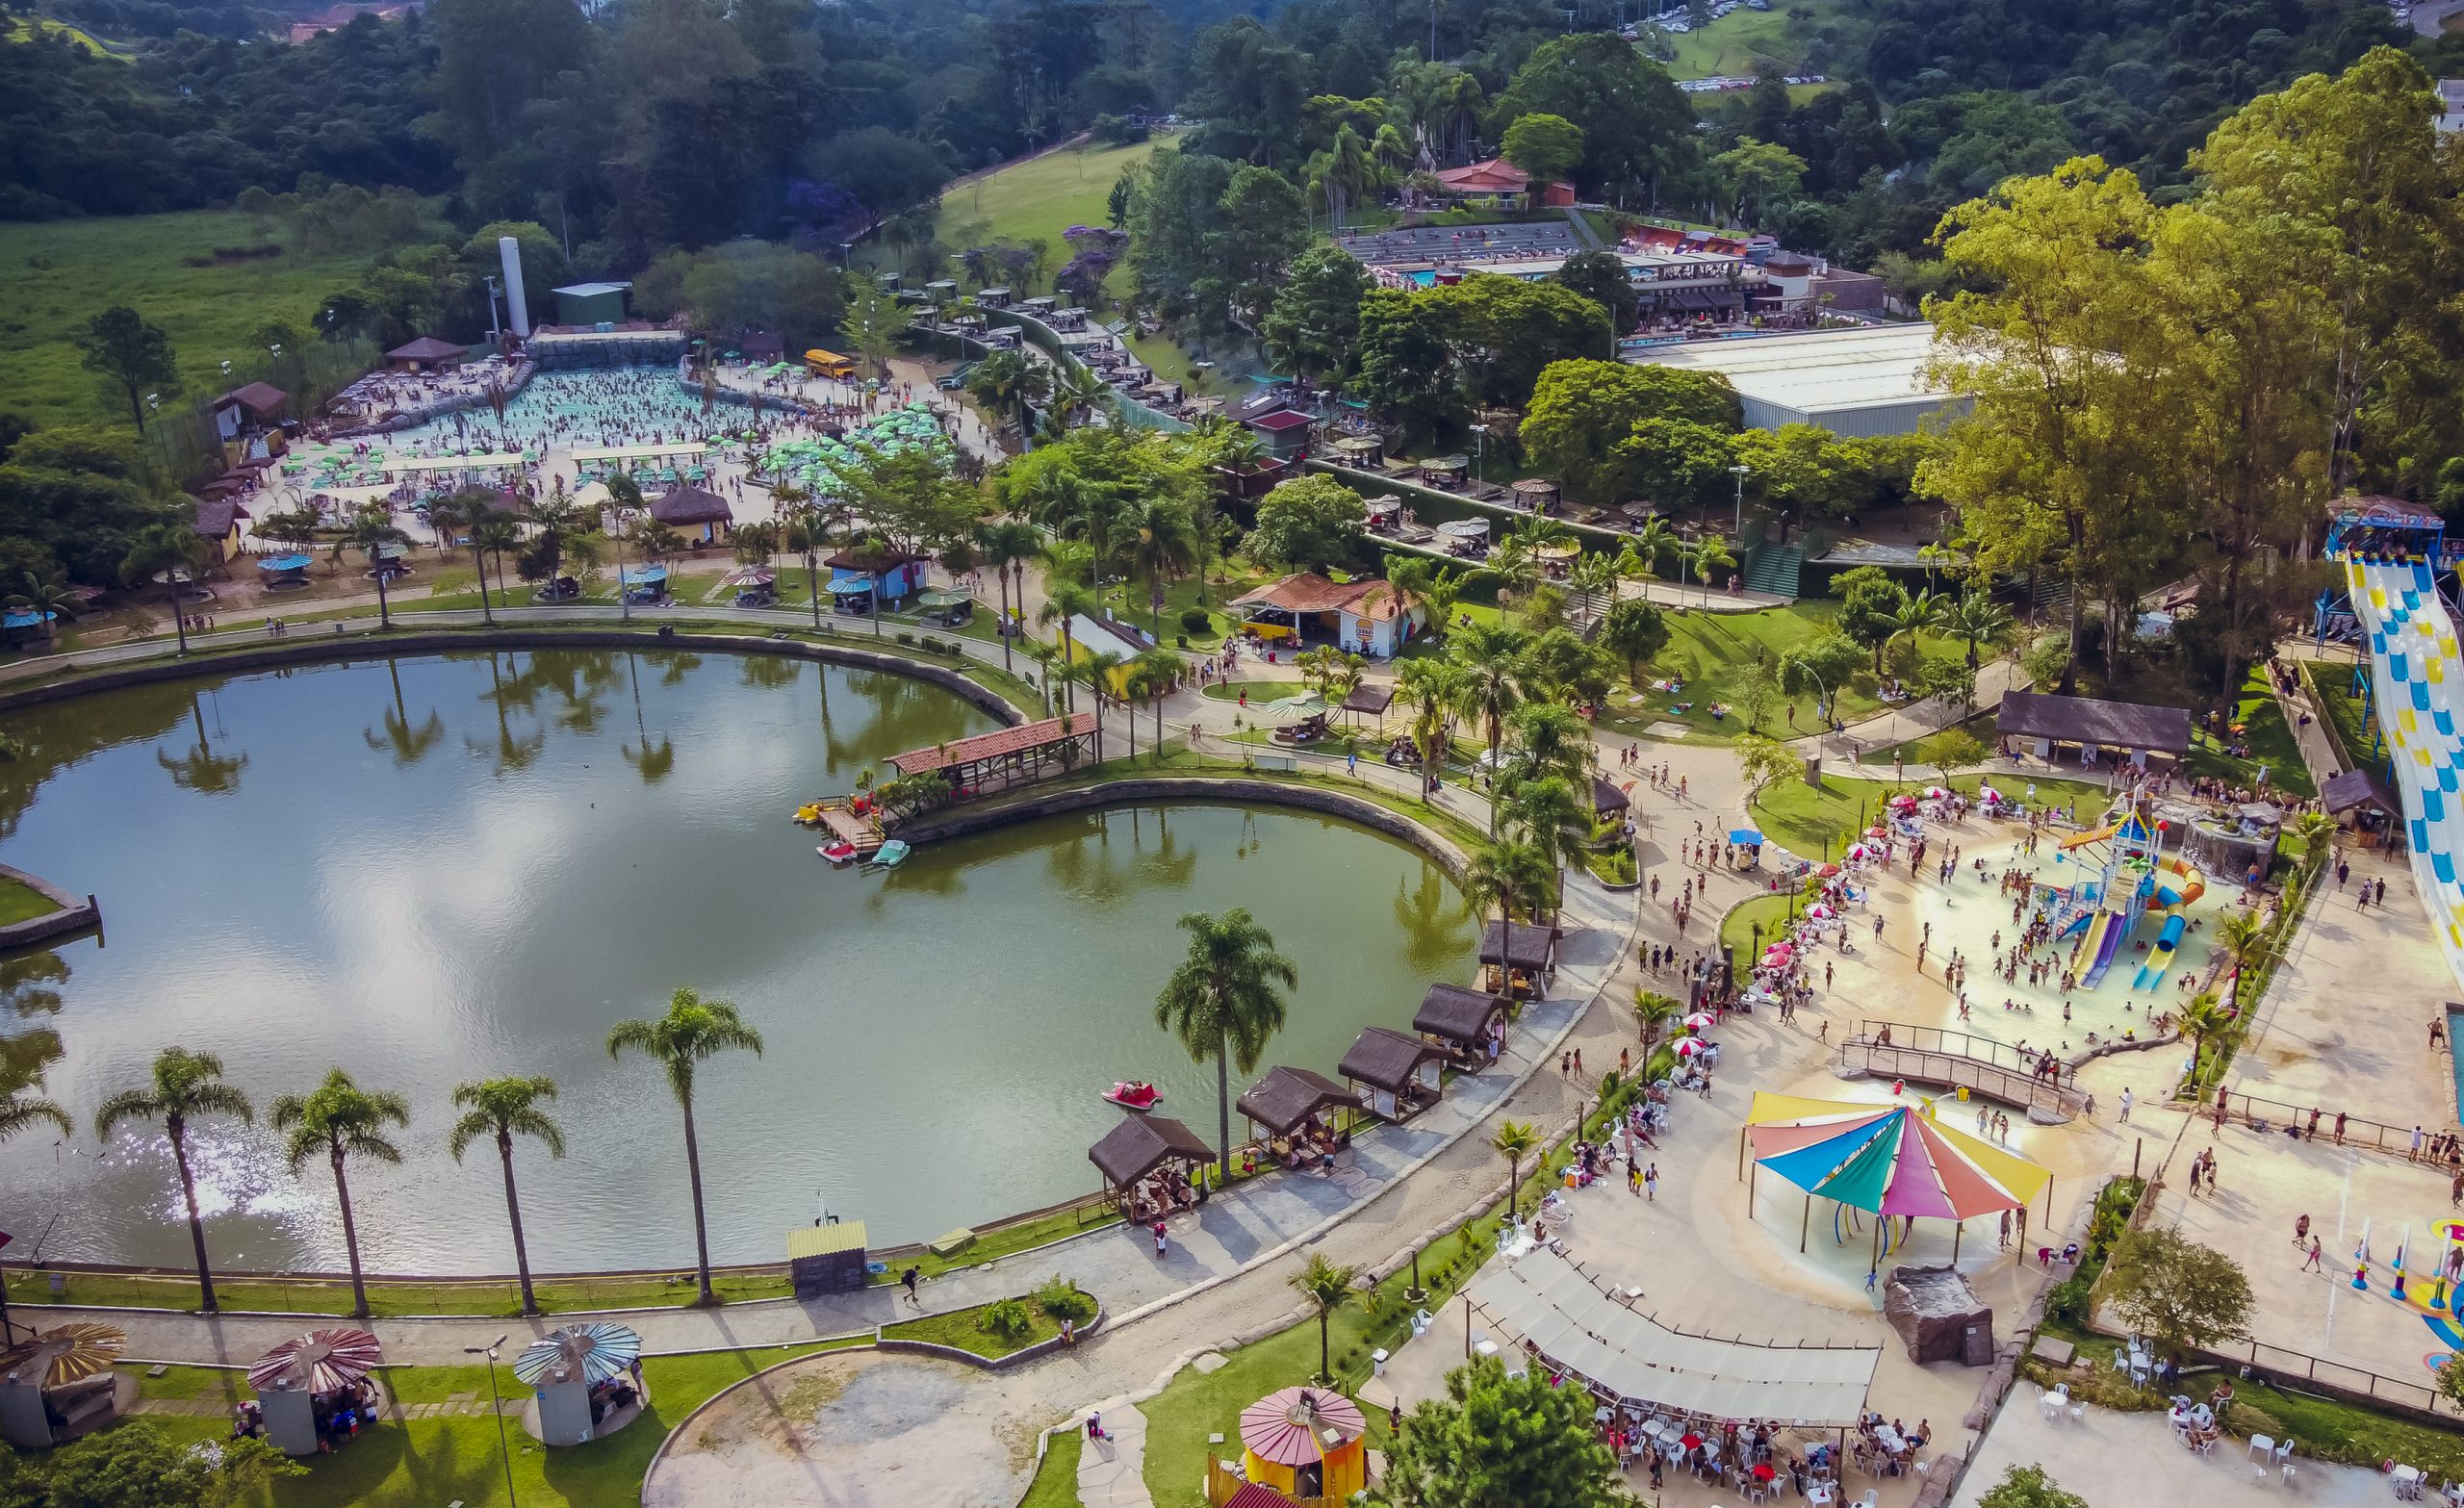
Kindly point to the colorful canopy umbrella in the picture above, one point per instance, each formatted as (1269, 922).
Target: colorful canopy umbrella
(1877, 830)
(1822, 911)
(592, 1352)
(1688, 1047)
(64, 1354)
(1699, 1021)
(1827, 871)
(1888, 1159)
(1745, 835)
(321, 1360)
(1300, 1426)
(1934, 793)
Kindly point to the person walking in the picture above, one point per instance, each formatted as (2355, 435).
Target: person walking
(2125, 1104)
(2301, 1230)
(1651, 1183)
(911, 1277)
(1162, 1245)
(2313, 1265)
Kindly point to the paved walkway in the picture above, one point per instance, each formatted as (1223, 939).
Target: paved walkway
(2112, 1459)
(1112, 1470)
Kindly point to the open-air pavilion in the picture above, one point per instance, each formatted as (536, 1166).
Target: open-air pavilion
(2045, 720)
(1005, 757)
(1290, 1113)
(1518, 956)
(1667, 1380)
(60, 1384)
(1394, 1075)
(1467, 1023)
(319, 1389)
(1893, 1161)
(686, 508)
(1608, 799)
(586, 1382)
(1145, 1162)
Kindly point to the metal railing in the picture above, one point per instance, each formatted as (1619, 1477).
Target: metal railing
(1959, 1071)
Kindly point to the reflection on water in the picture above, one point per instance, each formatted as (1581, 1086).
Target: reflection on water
(437, 869)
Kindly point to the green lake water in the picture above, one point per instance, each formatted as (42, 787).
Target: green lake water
(441, 869)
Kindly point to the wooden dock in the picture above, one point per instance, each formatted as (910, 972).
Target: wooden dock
(841, 823)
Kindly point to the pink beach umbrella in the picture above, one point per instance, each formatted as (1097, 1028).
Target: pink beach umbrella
(1821, 910)
(1692, 1046)
(1699, 1021)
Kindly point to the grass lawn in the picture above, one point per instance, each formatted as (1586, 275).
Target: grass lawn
(1712, 650)
(962, 1329)
(56, 275)
(23, 29)
(1227, 580)
(1737, 43)
(22, 902)
(1254, 690)
(2331, 684)
(1055, 1483)
(421, 1463)
(2268, 736)
(1769, 913)
(1041, 198)
(1984, 726)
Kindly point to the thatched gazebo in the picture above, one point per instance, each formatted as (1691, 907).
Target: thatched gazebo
(1290, 1104)
(1144, 1148)
(1394, 1075)
(1465, 1022)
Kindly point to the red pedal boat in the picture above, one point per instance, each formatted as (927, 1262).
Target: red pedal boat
(1135, 1096)
(840, 852)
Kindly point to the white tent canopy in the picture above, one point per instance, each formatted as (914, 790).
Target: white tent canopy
(632, 452)
(1575, 1326)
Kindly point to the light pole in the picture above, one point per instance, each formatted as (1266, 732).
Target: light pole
(1737, 530)
(505, 1450)
(1481, 454)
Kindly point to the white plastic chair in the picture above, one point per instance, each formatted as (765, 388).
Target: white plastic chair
(2078, 1413)
(2262, 1445)
(1871, 1500)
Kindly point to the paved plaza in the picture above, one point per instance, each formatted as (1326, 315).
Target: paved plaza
(2130, 1460)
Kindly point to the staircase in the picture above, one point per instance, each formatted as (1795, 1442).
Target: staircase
(1776, 569)
(2052, 599)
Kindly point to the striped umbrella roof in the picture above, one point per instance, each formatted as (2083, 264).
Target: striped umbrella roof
(65, 1354)
(321, 1360)
(1888, 1159)
(1300, 1426)
(594, 1352)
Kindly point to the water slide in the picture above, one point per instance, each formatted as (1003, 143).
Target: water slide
(2097, 836)
(2105, 932)
(2419, 681)
(2173, 903)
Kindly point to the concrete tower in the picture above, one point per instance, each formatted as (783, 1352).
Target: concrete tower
(517, 309)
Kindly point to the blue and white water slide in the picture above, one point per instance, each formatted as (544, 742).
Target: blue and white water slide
(2418, 681)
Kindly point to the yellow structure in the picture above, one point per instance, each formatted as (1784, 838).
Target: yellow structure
(1306, 1442)
(829, 364)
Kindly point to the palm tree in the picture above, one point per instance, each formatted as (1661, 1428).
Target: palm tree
(47, 595)
(371, 529)
(693, 1032)
(170, 551)
(1327, 1286)
(2317, 832)
(344, 1121)
(804, 535)
(1152, 676)
(1653, 1011)
(1225, 1000)
(1077, 393)
(2204, 1020)
(2245, 939)
(491, 532)
(1514, 1142)
(1004, 544)
(1492, 682)
(1519, 556)
(1095, 667)
(1920, 613)
(1977, 617)
(1063, 601)
(1653, 541)
(1708, 554)
(499, 1108)
(19, 1111)
(1163, 542)
(1431, 689)
(1550, 817)
(1509, 875)
(184, 1085)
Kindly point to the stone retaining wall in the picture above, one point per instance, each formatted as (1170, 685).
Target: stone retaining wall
(75, 914)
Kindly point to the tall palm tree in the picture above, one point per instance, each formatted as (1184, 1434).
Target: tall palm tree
(182, 1085)
(1977, 617)
(1708, 554)
(1077, 394)
(692, 1032)
(1064, 601)
(1152, 676)
(2207, 1020)
(342, 1121)
(499, 1108)
(1519, 556)
(1551, 816)
(1653, 1011)
(19, 1111)
(1327, 1286)
(804, 535)
(493, 532)
(1225, 1000)
(1514, 1142)
(1004, 545)
(1163, 542)
(371, 529)
(1095, 667)
(1431, 689)
(2245, 939)
(1640, 556)
(1492, 661)
(170, 551)
(1509, 875)
(1922, 612)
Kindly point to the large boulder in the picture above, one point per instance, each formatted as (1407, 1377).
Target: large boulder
(1938, 1316)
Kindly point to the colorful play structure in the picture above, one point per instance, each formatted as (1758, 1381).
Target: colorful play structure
(1893, 1161)
(2393, 555)
(2135, 878)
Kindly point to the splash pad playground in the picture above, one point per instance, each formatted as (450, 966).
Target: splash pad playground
(2117, 902)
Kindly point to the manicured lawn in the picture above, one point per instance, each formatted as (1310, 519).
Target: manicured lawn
(422, 1463)
(2268, 736)
(1803, 819)
(1055, 1483)
(56, 275)
(1769, 913)
(22, 902)
(1041, 198)
(1712, 650)
(1737, 43)
(2330, 683)
(1226, 580)
(1984, 726)
(963, 1330)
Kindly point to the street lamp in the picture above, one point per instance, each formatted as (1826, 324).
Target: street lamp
(503, 1449)
(1481, 454)
(1740, 471)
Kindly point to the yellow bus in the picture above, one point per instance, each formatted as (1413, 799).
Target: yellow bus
(829, 364)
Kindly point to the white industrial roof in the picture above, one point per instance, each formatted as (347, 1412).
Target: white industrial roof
(1818, 371)
(589, 290)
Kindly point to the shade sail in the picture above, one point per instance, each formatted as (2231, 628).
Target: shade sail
(321, 1360)
(1888, 1159)
(591, 1353)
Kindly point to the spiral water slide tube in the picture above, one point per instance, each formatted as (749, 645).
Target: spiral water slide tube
(2418, 680)
(2172, 901)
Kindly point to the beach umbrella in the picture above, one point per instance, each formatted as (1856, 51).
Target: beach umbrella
(1936, 793)
(1857, 851)
(1821, 910)
(1699, 1021)
(1745, 835)
(1779, 953)
(595, 1352)
(1903, 803)
(1888, 1159)
(1877, 830)
(1691, 1046)
(321, 1360)
(1827, 872)
(64, 1354)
